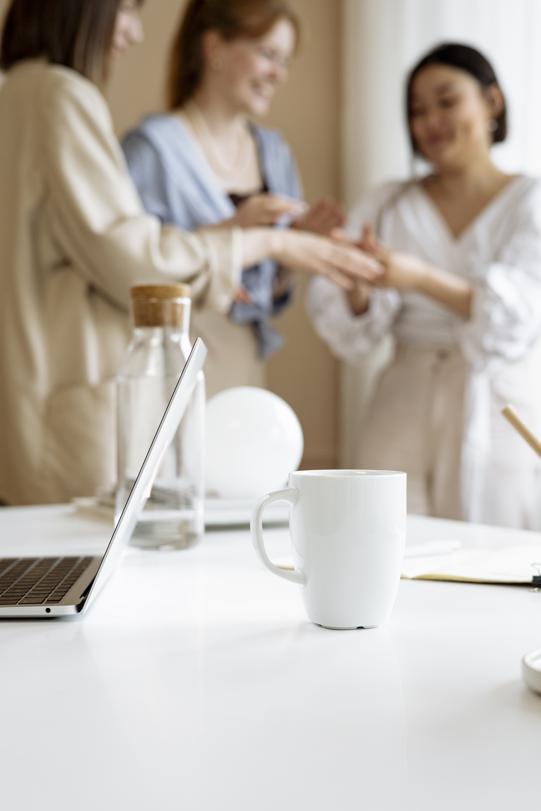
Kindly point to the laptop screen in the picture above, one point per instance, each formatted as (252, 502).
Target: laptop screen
(143, 483)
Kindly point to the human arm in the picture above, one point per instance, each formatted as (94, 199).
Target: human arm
(265, 209)
(97, 217)
(409, 273)
(282, 177)
(406, 272)
(350, 336)
(506, 310)
(322, 217)
(358, 298)
(341, 263)
(498, 292)
(294, 250)
(498, 298)
(353, 321)
(167, 185)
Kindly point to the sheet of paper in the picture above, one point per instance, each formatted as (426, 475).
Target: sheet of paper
(517, 564)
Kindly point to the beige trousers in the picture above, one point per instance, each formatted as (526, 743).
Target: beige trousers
(415, 424)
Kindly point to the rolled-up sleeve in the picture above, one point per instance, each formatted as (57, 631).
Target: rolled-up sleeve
(97, 216)
(506, 308)
(350, 336)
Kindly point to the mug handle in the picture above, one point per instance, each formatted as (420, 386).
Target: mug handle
(290, 495)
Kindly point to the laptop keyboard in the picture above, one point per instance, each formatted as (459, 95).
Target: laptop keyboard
(34, 581)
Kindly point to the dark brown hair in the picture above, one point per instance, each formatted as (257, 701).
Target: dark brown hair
(232, 19)
(75, 33)
(470, 60)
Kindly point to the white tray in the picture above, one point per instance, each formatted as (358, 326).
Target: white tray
(219, 512)
(227, 512)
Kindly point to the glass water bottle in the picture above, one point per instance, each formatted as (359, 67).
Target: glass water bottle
(173, 514)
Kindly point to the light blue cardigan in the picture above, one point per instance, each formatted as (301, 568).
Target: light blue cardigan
(177, 185)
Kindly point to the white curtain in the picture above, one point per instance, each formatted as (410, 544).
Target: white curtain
(382, 39)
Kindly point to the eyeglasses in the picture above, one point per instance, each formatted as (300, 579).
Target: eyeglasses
(272, 56)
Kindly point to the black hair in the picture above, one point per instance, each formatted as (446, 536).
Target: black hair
(75, 33)
(471, 61)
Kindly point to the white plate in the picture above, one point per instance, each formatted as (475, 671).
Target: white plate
(219, 512)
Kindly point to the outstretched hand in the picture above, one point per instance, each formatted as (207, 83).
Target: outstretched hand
(344, 264)
(322, 218)
(397, 270)
(266, 209)
(403, 271)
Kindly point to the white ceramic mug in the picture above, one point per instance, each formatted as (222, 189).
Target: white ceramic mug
(348, 529)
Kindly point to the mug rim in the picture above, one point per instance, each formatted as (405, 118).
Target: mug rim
(348, 473)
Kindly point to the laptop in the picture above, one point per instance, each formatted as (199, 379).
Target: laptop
(66, 586)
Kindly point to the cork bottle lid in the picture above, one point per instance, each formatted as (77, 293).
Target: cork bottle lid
(160, 305)
(160, 291)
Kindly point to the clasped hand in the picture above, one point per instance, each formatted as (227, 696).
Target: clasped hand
(268, 209)
(398, 270)
(402, 271)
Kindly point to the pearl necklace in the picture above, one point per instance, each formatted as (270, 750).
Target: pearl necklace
(225, 168)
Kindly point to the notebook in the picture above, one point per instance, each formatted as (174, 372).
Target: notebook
(508, 565)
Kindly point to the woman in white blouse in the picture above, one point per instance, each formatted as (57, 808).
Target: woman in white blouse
(74, 238)
(460, 250)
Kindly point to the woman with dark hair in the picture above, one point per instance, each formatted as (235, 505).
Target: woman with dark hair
(460, 249)
(74, 238)
(206, 163)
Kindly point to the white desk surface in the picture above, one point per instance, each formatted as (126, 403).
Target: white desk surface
(196, 683)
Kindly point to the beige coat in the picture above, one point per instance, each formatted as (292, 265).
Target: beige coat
(73, 239)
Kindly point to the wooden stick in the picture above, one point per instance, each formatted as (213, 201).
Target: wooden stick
(519, 426)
